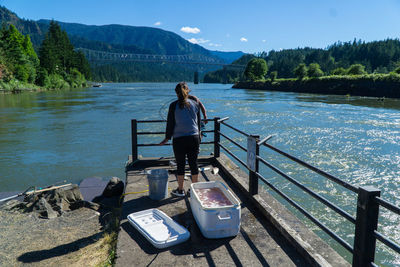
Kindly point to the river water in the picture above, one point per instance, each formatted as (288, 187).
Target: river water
(54, 136)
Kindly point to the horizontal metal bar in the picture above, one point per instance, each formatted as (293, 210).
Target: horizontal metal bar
(388, 205)
(237, 130)
(243, 148)
(146, 133)
(154, 121)
(207, 143)
(325, 174)
(223, 119)
(143, 133)
(150, 121)
(311, 192)
(235, 157)
(167, 144)
(308, 215)
(265, 140)
(387, 241)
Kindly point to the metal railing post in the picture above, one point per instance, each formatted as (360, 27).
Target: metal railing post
(366, 224)
(217, 127)
(134, 140)
(253, 177)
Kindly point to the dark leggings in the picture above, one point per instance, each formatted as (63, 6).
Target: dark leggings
(186, 145)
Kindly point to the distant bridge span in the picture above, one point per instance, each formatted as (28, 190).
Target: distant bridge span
(102, 56)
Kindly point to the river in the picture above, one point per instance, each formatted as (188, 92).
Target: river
(49, 137)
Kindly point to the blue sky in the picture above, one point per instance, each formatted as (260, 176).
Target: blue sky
(247, 25)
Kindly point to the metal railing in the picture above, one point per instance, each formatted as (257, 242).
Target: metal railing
(368, 197)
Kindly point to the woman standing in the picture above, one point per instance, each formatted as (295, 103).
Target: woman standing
(183, 125)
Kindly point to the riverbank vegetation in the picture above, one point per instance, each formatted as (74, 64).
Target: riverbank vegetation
(348, 58)
(55, 66)
(311, 79)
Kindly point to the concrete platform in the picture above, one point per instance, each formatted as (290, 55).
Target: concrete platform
(259, 242)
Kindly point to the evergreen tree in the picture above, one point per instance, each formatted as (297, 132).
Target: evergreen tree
(57, 55)
(18, 54)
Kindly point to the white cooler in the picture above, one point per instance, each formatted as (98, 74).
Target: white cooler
(215, 209)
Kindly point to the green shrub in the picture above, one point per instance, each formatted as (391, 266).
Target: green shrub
(57, 82)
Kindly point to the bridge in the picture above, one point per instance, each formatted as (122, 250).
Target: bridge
(196, 59)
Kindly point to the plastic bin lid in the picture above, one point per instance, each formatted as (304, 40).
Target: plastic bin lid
(158, 228)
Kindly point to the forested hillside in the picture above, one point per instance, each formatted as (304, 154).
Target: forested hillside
(125, 39)
(375, 57)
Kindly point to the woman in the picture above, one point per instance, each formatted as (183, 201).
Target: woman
(183, 125)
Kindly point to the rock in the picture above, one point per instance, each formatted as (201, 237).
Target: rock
(45, 209)
(65, 198)
(115, 187)
(11, 205)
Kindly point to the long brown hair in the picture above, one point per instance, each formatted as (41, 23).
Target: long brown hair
(182, 91)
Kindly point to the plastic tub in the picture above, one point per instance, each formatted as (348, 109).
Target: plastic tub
(217, 217)
(158, 228)
(158, 183)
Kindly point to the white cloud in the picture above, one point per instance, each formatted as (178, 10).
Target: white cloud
(215, 45)
(264, 41)
(243, 39)
(198, 41)
(158, 23)
(194, 30)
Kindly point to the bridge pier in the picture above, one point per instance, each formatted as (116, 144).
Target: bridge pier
(196, 77)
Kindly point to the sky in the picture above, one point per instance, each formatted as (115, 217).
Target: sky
(251, 26)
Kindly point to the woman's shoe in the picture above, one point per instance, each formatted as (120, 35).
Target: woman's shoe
(178, 193)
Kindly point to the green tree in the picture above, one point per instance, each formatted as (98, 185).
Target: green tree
(57, 56)
(339, 71)
(314, 70)
(397, 70)
(300, 71)
(356, 69)
(256, 69)
(18, 54)
(273, 75)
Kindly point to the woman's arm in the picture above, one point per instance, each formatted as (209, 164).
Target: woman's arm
(169, 131)
(202, 108)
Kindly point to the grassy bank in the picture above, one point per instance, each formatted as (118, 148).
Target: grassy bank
(373, 85)
(54, 82)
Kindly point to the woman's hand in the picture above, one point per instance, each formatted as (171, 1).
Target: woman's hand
(163, 142)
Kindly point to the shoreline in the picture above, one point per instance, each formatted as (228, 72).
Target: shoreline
(368, 86)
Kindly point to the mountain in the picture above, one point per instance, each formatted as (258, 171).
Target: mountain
(160, 41)
(228, 57)
(125, 39)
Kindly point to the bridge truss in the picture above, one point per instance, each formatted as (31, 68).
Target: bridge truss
(196, 59)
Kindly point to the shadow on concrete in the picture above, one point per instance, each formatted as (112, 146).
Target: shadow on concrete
(269, 230)
(144, 203)
(197, 246)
